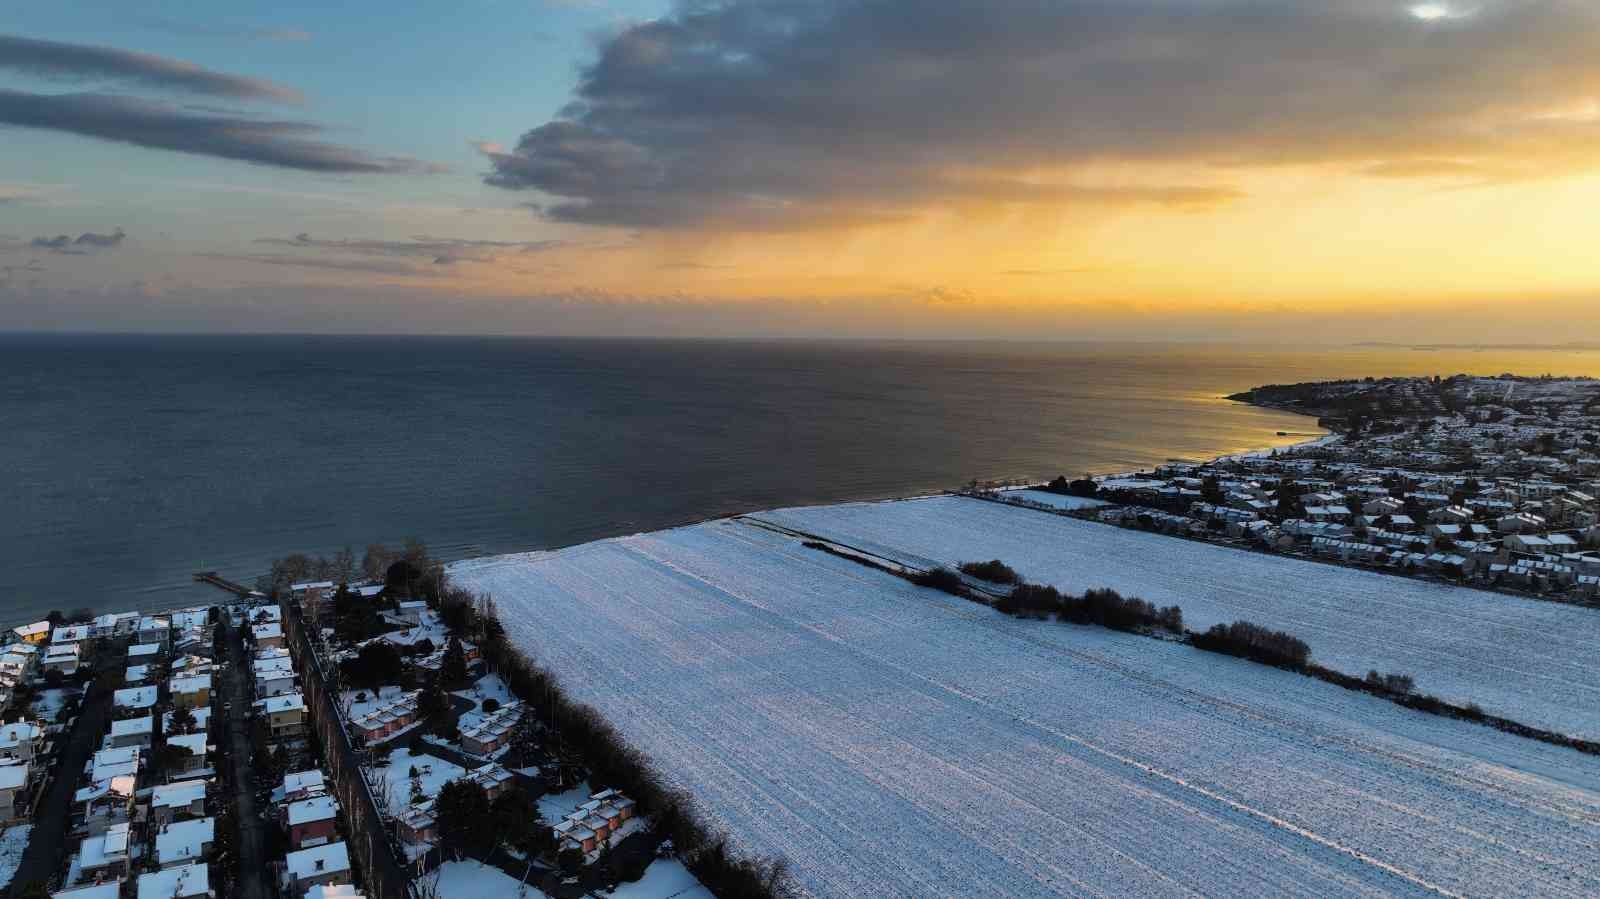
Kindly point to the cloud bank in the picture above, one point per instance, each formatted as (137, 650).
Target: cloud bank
(775, 113)
(87, 242)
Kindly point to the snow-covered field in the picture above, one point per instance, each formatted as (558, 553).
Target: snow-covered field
(1054, 500)
(1525, 659)
(895, 741)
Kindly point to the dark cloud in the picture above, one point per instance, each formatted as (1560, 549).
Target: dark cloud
(144, 123)
(57, 59)
(87, 242)
(746, 113)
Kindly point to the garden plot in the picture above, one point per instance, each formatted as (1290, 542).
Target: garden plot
(893, 741)
(1524, 659)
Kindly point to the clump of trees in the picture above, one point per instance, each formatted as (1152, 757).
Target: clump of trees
(1084, 486)
(465, 822)
(941, 579)
(1393, 684)
(378, 663)
(994, 571)
(1106, 608)
(1256, 643)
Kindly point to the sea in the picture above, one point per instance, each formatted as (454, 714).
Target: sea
(127, 463)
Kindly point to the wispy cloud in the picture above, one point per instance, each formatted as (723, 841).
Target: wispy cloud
(157, 125)
(63, 60)
(221, 29)
(360, 266)
(441, 250)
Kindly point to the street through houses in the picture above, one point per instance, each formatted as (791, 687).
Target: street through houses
(47, 845)
(254, 876)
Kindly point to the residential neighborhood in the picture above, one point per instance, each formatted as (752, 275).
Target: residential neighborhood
(1492, 482)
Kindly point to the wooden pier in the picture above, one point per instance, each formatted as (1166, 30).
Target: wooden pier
(222, 583)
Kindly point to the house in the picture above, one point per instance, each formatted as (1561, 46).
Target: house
(21, 740)
(104, 856)
(268, 635)
(34, 633)
(107, 802)
(143, 653)
(387, 719)
(274, 676)
(134, 700)
(1532, 544)
(109, 763)
(492, 778)
(155, 630)
(418, 824)
(182, 882)
(115, 624)
(302, 785)
(178, 801)
(1452, 515)
(202, 720)
(312, 822)
(195, 750)
(15, 779)
(594, 821)
(131, 732)
(1518, 523)
(1383, 505)
(286, 714)
(181, 842)
(191, 690)
(410, 612)
(62, 657)
(493, 732)
(136, 676)
(306, 868)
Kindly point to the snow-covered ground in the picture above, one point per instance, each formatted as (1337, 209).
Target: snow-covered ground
(490, 686)
(555, 806)
(374, 698)
(895, 741)
(666, 878)
(476, 880)
(1053, 500)
(12, 844)
(1525, 659)
(48, 703)
(435, 773)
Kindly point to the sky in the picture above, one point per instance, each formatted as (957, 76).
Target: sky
(1306, 171)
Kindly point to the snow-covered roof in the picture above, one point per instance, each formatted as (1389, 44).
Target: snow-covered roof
(181, 882)
(71, 633)
(302, 781)
(109, 763)
(334, 891)
(129, 727)
(191, 683)
(136, 673)
(288, 702)
(317, 861)
(19, 732)
(317, 808)
(32, 630)
(194, 744)
(143, 650)
(184, 840)
(267, 630)
(177, 795)
(135, 697)
(103, 849)
(13, 777)
(111, 889)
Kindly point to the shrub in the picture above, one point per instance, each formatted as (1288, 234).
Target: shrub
(1396, 684)
(491, 705)
(994, 571)
(1259, 644)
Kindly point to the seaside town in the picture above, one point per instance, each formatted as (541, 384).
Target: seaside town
(1488, 482)
(341, 730)
(336, 738)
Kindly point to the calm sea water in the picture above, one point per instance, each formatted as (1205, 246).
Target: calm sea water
(131, 462)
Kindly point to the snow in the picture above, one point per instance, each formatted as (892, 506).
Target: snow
(375, 698)
(1053, 500)
(435, 773)
(12, 843)
(555, 806)
(1525, 659)
(476, 880)
(48, 704)
(490, 686)
(666, 878)
(893, 741)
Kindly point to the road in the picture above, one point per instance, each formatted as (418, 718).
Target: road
(254, 877)
(47, 843)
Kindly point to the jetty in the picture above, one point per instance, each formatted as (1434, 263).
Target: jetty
(222, 583)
